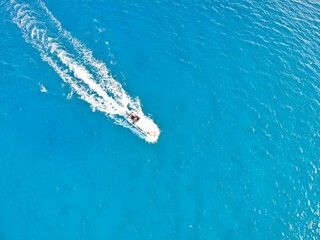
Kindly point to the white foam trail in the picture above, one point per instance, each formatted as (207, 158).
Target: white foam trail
(74, 63)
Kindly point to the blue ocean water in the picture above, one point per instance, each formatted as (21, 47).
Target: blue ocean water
(234, 88)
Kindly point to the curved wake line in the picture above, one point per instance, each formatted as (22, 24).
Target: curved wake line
(74, 63)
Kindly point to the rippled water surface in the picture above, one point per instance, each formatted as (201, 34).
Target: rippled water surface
(234, 87)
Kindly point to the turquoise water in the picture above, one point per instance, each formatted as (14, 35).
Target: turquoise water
(234, 88)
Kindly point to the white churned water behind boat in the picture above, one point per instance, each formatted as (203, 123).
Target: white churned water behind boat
(75, 64)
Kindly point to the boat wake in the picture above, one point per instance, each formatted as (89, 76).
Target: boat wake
(75, 64)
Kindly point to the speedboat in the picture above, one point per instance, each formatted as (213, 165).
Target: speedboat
(144, 125)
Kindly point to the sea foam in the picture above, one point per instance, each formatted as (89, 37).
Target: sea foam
(74, 63)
